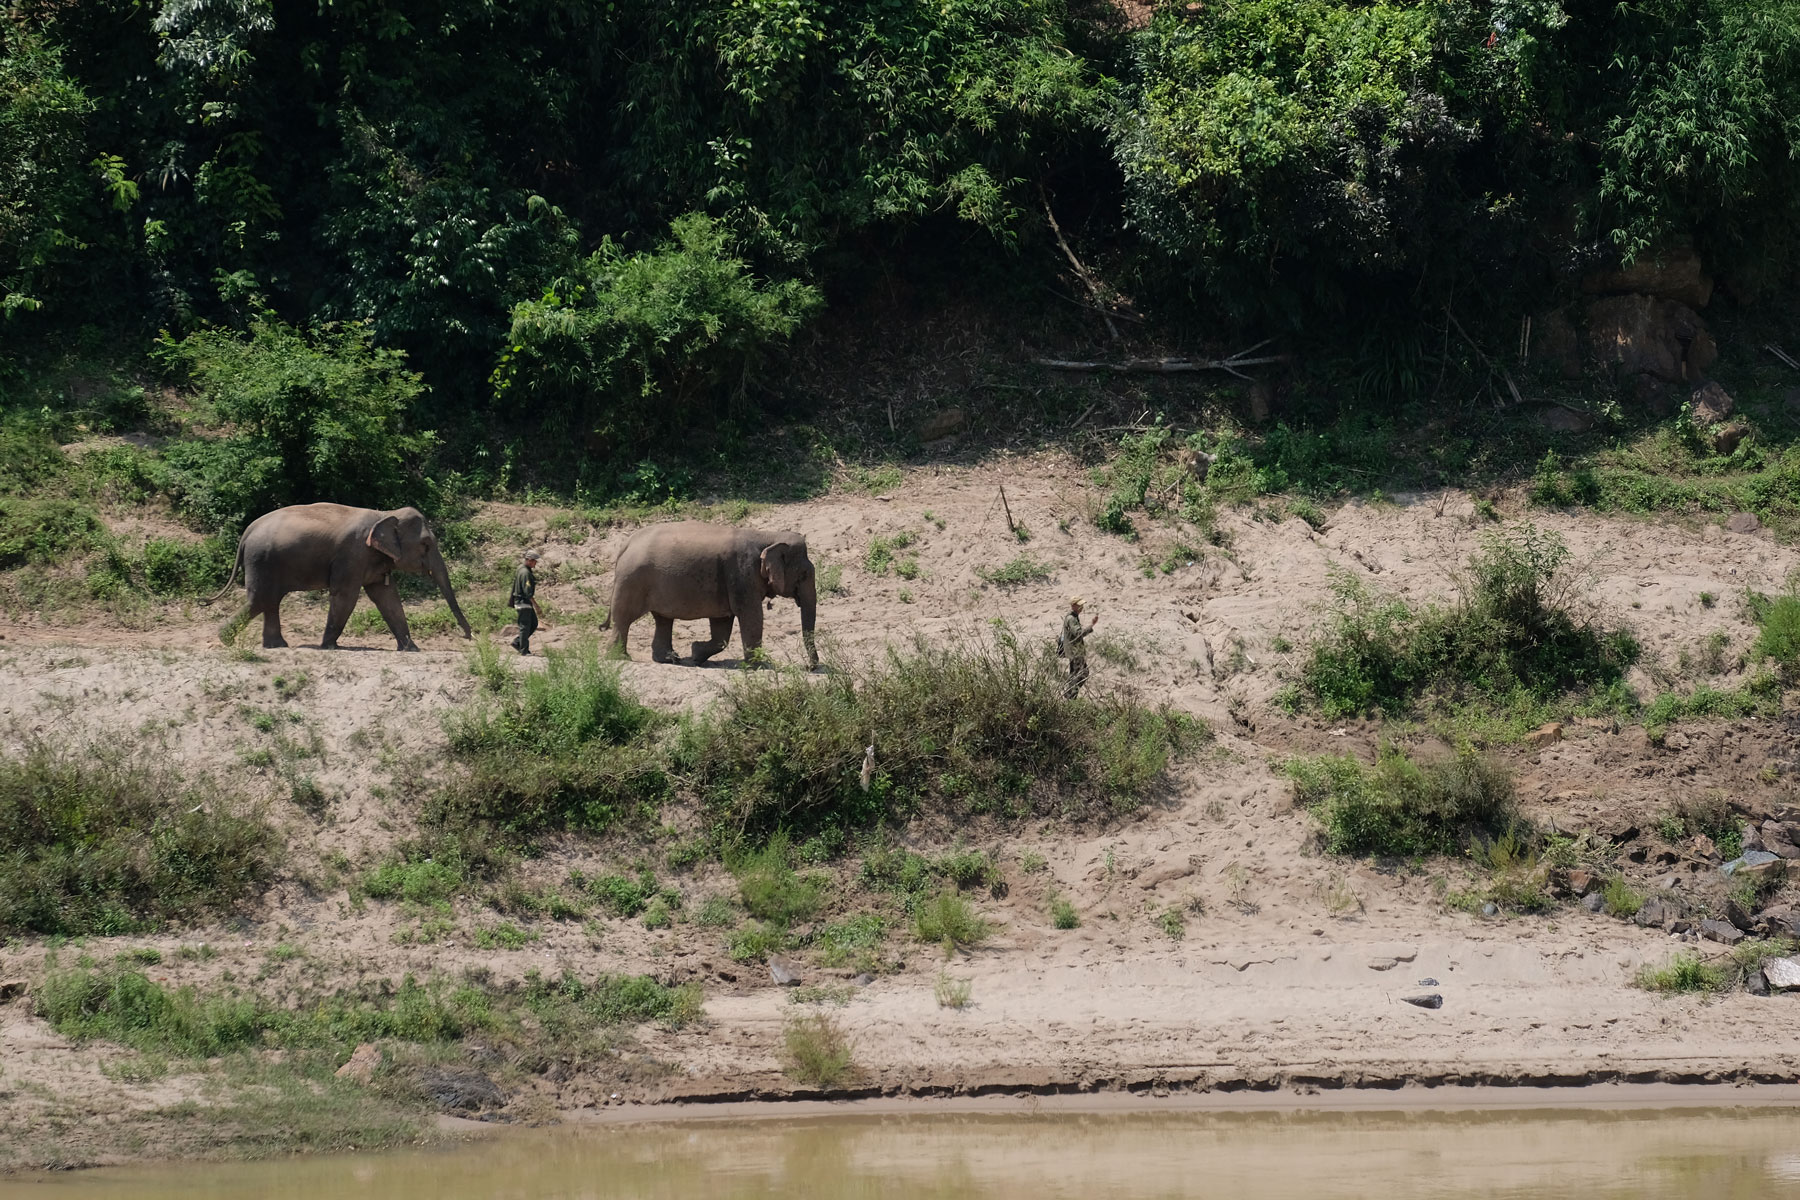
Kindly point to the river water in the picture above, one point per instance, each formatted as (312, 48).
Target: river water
(1712, 1154)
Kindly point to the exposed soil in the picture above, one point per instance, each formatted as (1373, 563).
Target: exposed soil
(1292, 968)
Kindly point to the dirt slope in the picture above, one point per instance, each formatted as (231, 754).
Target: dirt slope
(1292, 966)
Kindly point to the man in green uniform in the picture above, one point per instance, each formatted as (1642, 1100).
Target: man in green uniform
(524, 602)
(1070, 643)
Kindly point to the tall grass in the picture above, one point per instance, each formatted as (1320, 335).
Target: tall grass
(109, 840)
(1400, 807)
(1517, 634)
(976, 726)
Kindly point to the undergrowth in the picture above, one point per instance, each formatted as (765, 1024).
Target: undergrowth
(1401, 807)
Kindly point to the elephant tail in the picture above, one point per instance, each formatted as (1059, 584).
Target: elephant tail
(607, 622)
(229, 579)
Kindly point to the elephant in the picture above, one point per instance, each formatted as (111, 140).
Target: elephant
(335, 548)
(689, 570)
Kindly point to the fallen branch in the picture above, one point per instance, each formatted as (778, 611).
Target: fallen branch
(1093, 285)
(1783, 355)
(1010, 527)
(1169, 366)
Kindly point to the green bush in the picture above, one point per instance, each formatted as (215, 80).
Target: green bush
(972, 727)
(110, 841)
(416, 880)
(636, 344)
(1400, 807)
(47, 531)
(770, 889)
(1778, 638)
(173, 568)
(1514, 633)
(1686, 972)
(949, 921)
(565, 747)
(324, 415)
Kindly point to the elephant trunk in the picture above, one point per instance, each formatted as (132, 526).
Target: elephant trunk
(807, 597)
(440, 575)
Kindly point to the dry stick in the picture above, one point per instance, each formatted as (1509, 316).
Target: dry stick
(1783, 355)
(1010, 527)
(1482, 354)
(1168, 366)
(1084, 415)
(1093, 287)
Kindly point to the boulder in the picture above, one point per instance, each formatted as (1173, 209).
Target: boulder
(364, 1061)
(1723, 932)
(1427, 1000)
(459, 1089)
(1756, 983)
(1776, 840)
(1711, 404)
(1783, 974)
(1638, 335)
(1702, 352)
(1583, 882)
(942, 424)
(783, 973)
(1593, 902)
(1676, 274)
(1558, 419)
(1739, 914)
(1651, 915)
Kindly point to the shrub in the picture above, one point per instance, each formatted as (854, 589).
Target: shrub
(313, 416)
(654, 336)
(1063, 914)
(818, 1052)
(853, 940)
(949, 921)
(771, 891)
(625, 895)
(47, 531)
(952, 993)
(1622, 900)
(1779, 635)
(421, 880)
(173, 568)
(1685, 972)
(971, 727)
(1400, 807)
(1513, 633)
(109, 840)
(1021, 570)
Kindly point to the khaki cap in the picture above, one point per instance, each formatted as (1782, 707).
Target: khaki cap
(1075, 600)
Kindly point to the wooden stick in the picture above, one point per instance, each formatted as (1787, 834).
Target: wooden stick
(1084, 415)
(1167, 366)
(1093, 287)
(1010, 527)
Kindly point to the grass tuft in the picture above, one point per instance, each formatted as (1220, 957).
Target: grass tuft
(818, 1051)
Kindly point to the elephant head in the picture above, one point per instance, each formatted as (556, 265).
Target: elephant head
(405, 540)
(787, 571)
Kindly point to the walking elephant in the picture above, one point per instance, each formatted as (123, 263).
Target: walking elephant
(335, 548)
(690, 571)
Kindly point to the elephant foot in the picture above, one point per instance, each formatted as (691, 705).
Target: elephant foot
(671, 658)
(275, 644)
(701, 651)
(408, 647)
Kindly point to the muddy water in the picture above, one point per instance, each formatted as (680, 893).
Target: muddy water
(1711, 1154)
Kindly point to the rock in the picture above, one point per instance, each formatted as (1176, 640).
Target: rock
(1783, 974)
(1262, 401)
(1544, 735)
(1729, 437)
(1750, 838)
(459, 1089)
(864, 980)
(362, 1065)
(1427, 1000)
(1711, 404)
(1681, 925)
(1722, 932)
(1641, 335)
(1702, 847)
(1383, 964)
(942, 424)
(1702, 352)
(1775, 840)
(1742, 523)
(11, 989)
(1556, 343)
(783, 973)
(1593, 902)
(1786, 924)
(1651, 915)
(1490, 909)
(1749, 861)
(1756, 983)
(1428, 981)
(1675, 274)
(1739, 915)
(1558, 419)
(1583, 882)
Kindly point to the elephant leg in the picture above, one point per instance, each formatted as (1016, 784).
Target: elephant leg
(662, 646)
(271, 615)
(721, 638)
(387, 600)
(750, 629)
(343, 602)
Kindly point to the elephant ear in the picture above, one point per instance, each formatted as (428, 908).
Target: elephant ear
(774, 568)
(385, 537)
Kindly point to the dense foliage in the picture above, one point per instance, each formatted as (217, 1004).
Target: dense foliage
(604, 217)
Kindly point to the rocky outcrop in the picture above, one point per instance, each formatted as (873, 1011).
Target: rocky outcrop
(1676, 275)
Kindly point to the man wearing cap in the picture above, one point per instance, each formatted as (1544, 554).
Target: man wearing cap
(1073, 635)
(524, 602)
